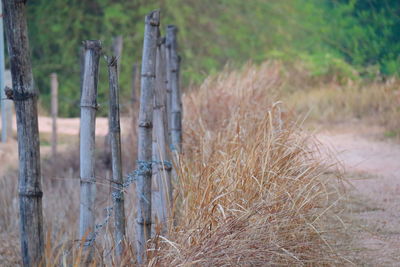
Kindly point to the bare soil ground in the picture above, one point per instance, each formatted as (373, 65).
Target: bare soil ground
(373, 169)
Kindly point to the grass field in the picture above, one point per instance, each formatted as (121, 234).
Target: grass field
(254, 188)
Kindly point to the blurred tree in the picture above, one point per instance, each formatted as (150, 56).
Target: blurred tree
(211, 34)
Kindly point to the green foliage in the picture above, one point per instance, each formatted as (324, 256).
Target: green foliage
(327, 35)
(366, 32)
(326, 64)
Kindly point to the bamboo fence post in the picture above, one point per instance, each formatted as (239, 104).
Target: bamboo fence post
(87, 141)
(169, 91)
(133, 111)
(134, 99)
(54, 112)
(143, 183)
(117, 46)
(161, 167)
(6, 105)
(176, 106)
(115, 139)
(25, 97)
(81, 67)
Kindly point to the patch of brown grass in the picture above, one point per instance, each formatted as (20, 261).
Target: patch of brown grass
(253, 188)
(252, 193)
(377, 103)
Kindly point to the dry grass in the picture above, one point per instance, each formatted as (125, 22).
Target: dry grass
(253, 191)
(377, 103)
(251, 194)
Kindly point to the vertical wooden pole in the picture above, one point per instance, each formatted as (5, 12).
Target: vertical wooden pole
(6, 105)
(161, 166)
(176, 106)
(134, 109)
(169, 91)
(145, 125)
(117, 46)
(2, 83)
(54, 112)
(82, 67)
(134, 98)
(115, 138)
(25, 97)
(87, 140)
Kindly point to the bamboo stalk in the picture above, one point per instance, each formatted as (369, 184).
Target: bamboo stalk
(169, 91)
(176, 106)
(161, 169)
(6, 105)
(25, 97)
(143, 183)
(87, 141)
(134, 98)
(117, 45)
(115, 138)
(134, 109)
(54, 112)
(116, 48)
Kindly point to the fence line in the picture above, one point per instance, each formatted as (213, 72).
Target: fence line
(160, 105)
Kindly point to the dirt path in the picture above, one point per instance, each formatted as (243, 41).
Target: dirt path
(373, 168)
(65, 127)
(70, 126)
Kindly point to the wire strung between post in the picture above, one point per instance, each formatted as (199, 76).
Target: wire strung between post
(143, 167)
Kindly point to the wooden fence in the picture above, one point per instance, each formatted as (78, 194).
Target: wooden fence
(158, 130)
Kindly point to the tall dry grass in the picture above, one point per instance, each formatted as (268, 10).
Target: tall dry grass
(375, 102)
(252, 192)
(253, 188)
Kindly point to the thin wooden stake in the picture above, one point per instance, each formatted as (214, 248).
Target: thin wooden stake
(173, 80)
(54, 112)
(134, 98)
(162, 190)
(169, 92)
(25, 97)
(6, 105)
(143, 183)
(87, 141)
(115, 138)
(117, 45)
(134, 108)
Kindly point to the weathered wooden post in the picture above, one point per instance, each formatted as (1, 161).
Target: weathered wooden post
(115, 140)
(145, 124)
(116, 48)
(134, 98)
(169, 91)
(117, 45)
(87, 141)
(162, 191)
(54, 112)
(173, 80)
(6, 105)
(25, 97)
(134, 108)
